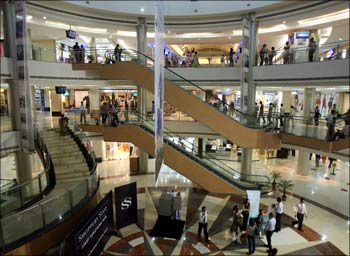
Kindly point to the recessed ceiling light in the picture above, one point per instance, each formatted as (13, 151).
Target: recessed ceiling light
(142, 10)
(284, 22)
(169, 31)
(44, 17)
(340, 39)
(229, 37)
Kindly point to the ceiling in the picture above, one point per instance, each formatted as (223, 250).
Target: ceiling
(176, 8)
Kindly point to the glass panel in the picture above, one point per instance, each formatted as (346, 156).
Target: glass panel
(43, 180)
(78, 193)
(19, 225)
(92, 183)
(10, 201)
(30, 190)
(56, 208)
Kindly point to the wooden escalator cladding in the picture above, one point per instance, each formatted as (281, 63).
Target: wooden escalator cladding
(174, 159)
(190, 104)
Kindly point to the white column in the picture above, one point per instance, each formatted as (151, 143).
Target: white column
(93, 49)
(141, 31)
(94, 96)
(309, 102)
(56, 103)
(303, 163)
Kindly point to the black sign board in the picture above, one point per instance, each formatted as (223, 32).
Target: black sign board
(91, 235)
(125, 205)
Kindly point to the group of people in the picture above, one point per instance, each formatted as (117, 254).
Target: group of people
(110, 110)
(288, 55)
(331, 119)
(79, 53)
(266, 55)
(256, 227)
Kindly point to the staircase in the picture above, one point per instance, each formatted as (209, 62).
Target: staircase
(68, 161)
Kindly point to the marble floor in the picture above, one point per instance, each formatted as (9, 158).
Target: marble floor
(135, 239)
(328, 233)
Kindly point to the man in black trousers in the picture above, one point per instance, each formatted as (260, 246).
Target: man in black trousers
(203, 223)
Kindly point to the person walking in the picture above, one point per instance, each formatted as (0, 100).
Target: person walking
(203, 223)
(269, 113)
(178, 206)
(292, 115)
(269, 229)
(245, 213)
(279, 212)
(251, 236)
(312, 48)
(82, 112)
(261, 112)
(301, 212)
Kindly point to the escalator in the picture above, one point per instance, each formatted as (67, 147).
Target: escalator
(211, 174)
(243, 130)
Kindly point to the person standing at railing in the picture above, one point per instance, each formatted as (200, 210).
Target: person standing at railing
(317, 115)
(195, 61)
(126, 111)
(271, 54)
(282, 113)
(330, 125)
(263, 55)
(77, 53)
(261, 112)
(232, 108)
(292, 115)
(82, 112)
(117, 52)
(286, 54)
(222, 60)
(82, 53)
(312, 49)
(232, 52)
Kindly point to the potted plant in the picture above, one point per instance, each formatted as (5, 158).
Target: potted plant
(275, 175)
(90, 58)
(284, 185)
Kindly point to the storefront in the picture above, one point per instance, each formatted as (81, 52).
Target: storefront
(119, 97)
(4, 104)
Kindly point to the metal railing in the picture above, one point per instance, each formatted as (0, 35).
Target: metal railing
(326, 52)
(19, 196)
(21, 227)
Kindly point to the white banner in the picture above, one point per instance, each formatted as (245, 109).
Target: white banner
(25, 104)
(245, 64)
(159, 84)
(254, 198)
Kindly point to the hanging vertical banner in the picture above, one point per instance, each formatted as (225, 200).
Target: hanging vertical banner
(245, 63)
(159, 83)
(254, 199)
(24, 91)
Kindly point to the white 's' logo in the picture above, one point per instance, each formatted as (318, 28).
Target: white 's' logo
(126, 203)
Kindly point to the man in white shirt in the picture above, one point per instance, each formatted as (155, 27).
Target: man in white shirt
(203, 223)
(269, 229)
(282, 112)
(82, 112)
(279, 212)
(301, 212)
